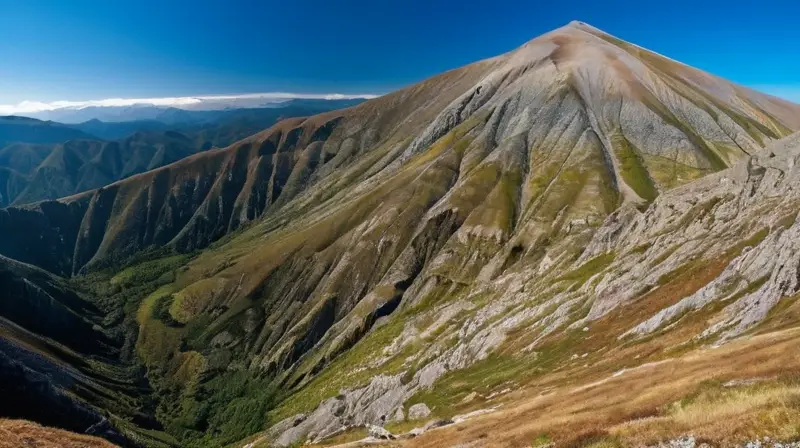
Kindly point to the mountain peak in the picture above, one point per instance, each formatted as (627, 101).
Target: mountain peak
(583, 26)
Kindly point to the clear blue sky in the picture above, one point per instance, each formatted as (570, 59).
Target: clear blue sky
(79, 49)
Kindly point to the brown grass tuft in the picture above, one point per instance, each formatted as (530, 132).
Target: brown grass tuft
(22, 433)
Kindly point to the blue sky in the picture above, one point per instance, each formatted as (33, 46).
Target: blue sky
(85, 50)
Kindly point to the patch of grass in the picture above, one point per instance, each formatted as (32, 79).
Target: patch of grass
(403, 427)
(632, 168)
(678, 272)
(642, 248)
(482, 377)
(594, 266)
(149, 271)
(669, 173)
(541, 441)
(666, 254)
(351, 435)
(726, 414)
(786, 222)
(753, 241)
(22, 433)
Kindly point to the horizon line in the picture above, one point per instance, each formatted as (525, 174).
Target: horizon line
(189, 102)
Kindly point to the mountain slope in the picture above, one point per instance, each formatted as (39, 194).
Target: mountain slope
(54, 358)
(475, 225)
(80, 165)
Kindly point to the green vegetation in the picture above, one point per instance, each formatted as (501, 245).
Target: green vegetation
(198, 407)
(222, 410)
(668, 173)
(640, 249)
(677, 272)
(753, 241)
(499, 370)
(587, 270)
(632, 169)
(541, 441)
(666, 254)
(149, 271)
(787, 221)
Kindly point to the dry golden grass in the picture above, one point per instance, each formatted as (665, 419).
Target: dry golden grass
(25, 434)
(652, 402)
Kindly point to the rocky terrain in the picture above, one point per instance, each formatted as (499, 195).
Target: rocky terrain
(424, 252)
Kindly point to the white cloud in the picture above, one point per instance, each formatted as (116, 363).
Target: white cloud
(788, 92)
(187, 102)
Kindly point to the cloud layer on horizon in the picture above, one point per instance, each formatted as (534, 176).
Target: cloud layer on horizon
(788, 92)
(187, 102)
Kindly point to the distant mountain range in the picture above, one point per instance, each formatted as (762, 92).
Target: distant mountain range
(175, 115)
(49, 160)
(29, 130)
(211, 127)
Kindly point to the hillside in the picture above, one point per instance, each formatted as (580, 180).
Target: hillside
(80, 165)
(577, 203)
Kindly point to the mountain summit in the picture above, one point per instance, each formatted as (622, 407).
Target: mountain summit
(362, 259)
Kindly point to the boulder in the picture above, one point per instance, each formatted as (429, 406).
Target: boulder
(379, 433)
(418, 411)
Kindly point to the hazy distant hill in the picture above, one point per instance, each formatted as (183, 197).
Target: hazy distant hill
(114, 130)
(211, 128)
(30, 130)
(174, 115)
